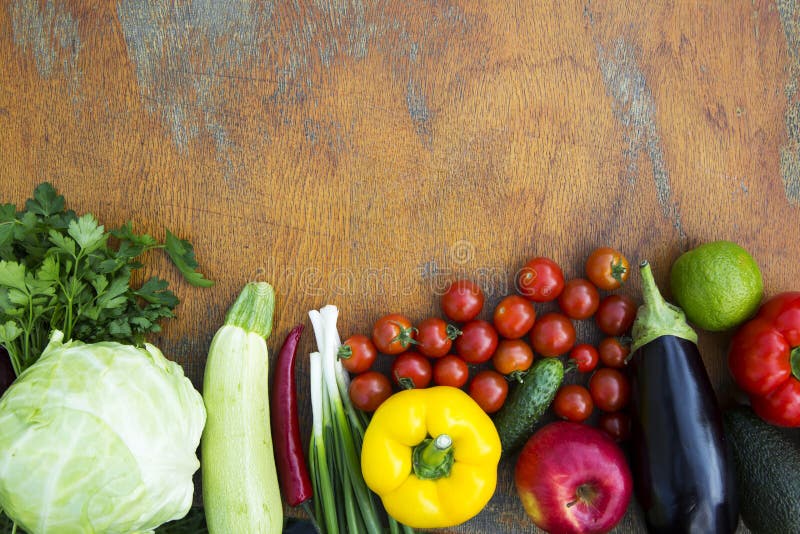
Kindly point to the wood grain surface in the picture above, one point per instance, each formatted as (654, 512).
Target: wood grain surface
(365, 153)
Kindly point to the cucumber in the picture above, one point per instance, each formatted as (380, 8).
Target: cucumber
(767, 462)
(527, 403)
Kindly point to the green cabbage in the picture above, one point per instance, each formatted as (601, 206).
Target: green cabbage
(99, 438)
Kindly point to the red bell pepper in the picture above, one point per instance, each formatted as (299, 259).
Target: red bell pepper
(764, 360)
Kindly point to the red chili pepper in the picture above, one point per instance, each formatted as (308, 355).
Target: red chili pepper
(289, 455)
(764, 360)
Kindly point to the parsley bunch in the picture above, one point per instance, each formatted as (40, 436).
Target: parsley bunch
(61, 271)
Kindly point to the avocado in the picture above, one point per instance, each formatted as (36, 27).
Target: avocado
(767, 462)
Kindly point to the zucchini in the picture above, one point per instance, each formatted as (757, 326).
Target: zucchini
(240, 483)
(527, 403)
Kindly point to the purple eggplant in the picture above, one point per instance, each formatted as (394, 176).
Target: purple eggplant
(682, 462)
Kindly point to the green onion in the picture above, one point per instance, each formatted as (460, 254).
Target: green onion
(343, 501)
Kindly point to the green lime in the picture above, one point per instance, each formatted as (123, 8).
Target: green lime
(717, 284)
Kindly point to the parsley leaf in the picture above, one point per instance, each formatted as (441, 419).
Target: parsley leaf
(87, 233)
(182, 254)
(46, 201)
(62, 271)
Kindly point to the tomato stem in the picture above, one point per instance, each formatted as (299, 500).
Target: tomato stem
(618, 270)
(453, 331)
(405, 336)
(345, 352)
(405, 382)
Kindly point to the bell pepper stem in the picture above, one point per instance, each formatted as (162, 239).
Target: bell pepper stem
(794, 360)
(433, 457)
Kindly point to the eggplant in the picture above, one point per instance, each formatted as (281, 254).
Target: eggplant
(684, 475)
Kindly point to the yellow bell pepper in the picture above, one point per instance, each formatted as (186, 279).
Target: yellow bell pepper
(431, 455)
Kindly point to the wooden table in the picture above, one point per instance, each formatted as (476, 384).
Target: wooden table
(366, 153)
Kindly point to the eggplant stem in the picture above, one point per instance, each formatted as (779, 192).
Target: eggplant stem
(657, 317)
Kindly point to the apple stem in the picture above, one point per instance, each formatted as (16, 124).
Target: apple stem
(584, 493)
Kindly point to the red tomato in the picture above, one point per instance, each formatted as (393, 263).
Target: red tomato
(477, 342)
(613, 353)
(462, 301)
(450, 371)
(512, 356)
(573, 403)
(514, 317)
(616, 424)
(369, 390)
(489, 389)
(579, 299)
(607, 268)
(393, 333)
(540, 280)
(610, 389)
(585, 357)
(357, 353)
(615, 314)
(435, 337)
(553, 334)
(412, 370)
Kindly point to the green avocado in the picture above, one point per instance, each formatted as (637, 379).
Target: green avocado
(767, 462)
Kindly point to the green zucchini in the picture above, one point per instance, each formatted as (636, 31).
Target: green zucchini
(240, 482)
(527, 403)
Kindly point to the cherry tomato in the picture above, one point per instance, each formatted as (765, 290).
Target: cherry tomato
(573, 403)
(579, 299)
(412, 370)
(514, 317)
(540, 280)
(450, 371)
(435, 337)
(393, 333)
(462, 301)
(513, 356)
(369, 390)
(553, 334)
(616, 424)
(357, 353)
(489, 389)
(615, 314)
(477, 342)
(607, 268)
(613, 353)
(610, 389)
(585, 357)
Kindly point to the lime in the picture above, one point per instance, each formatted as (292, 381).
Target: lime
(717, 284)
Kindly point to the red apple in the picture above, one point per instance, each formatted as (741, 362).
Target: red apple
(573, 478)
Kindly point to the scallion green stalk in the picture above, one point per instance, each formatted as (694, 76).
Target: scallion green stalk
(347, 503)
